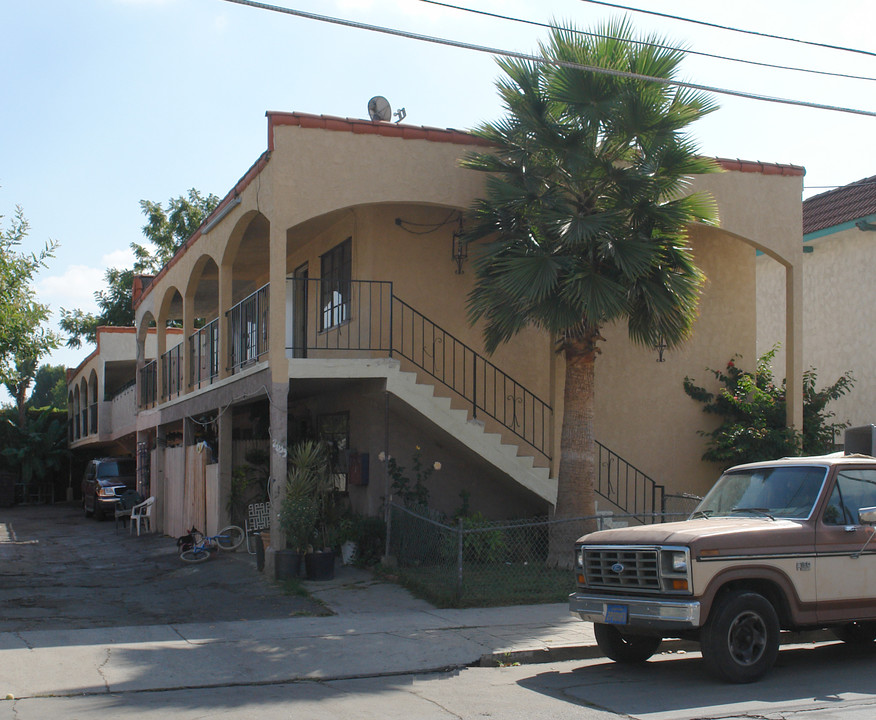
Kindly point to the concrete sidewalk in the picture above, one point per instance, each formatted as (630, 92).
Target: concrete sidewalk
(380, 630)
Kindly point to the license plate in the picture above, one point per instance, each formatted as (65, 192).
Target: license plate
(616, 614)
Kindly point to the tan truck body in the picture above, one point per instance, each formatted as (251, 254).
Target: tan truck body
(813, 564)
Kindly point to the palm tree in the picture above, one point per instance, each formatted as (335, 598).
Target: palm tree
(585, 217)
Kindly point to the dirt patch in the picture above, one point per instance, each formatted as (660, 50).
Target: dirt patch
(59, 569)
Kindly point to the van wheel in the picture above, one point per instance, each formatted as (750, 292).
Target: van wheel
(88, 513)
(740, 641)
(627, 649)
(857, 634)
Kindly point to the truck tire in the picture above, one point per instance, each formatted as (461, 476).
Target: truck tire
(622, 648)
(740, 640)
(857, 634)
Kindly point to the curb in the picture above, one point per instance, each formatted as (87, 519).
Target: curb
(562, 653)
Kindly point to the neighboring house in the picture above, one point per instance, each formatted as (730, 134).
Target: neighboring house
(102, 392)
(839, 244)
(326, 297)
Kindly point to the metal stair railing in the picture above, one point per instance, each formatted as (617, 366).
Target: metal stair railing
(627, 487)
(366, 315)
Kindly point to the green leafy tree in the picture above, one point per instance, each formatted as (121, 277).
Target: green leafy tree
(38, 447)
(585, 218)
(116, 309)
(49, 388)
(18, 381)
(167, 230)
(752, 408)
(23, 337)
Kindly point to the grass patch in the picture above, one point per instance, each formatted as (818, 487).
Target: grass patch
(490, 585)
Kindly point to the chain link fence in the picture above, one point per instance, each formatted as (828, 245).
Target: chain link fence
(473, 561)
(680, 506)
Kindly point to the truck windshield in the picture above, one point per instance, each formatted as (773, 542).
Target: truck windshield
(777, 492)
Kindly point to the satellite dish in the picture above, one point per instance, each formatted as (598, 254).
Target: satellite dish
(378, 109)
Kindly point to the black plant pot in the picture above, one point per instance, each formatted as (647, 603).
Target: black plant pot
(320, 565)
(287, 565)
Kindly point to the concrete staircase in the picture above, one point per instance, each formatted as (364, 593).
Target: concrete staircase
(438, 409)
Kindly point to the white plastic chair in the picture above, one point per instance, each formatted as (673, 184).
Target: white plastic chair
(142, 514)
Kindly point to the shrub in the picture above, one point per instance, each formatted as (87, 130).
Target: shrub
(752, 406)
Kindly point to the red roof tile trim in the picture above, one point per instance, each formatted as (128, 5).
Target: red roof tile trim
(761, 167)
(368, 127)
(238, 188)
(842, 205)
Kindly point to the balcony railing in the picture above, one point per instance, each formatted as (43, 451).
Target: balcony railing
(248, 329)
(172, 372)
(149, 385)
(370, 318)
(204, 354)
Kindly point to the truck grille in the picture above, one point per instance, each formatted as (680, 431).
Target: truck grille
(622, 568)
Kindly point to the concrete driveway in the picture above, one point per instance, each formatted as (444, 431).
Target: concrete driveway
(59, 569)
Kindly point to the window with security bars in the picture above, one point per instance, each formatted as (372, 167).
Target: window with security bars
(335, 286)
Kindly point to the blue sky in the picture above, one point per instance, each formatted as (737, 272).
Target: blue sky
(107, 102)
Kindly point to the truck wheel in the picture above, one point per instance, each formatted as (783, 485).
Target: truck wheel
(628, 649)
(740, 641)
(857, 634)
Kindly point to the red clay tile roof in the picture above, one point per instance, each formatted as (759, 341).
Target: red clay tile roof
(369, 127)
(835, 207)
(755, 166)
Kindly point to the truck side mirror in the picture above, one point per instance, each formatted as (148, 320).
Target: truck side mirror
(867, 515)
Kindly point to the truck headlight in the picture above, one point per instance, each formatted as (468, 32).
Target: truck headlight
(679, 562)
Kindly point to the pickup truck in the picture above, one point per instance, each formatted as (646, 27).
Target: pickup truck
(777, 545)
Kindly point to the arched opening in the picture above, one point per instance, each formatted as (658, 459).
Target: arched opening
(247, 258)
(202, 307)
(77, 425)
(170, 344)
(92, 403)
(147, 365)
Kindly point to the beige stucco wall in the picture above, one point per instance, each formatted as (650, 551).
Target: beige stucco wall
(643, 413)
(838, 297)
(320, 187)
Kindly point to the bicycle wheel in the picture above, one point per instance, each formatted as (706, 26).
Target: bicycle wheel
(195, 555)
(229, 538)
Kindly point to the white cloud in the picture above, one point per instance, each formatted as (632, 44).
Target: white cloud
(118, 259)
(74, 288)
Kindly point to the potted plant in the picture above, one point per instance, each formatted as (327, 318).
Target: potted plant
(298, 513)
(309, 513)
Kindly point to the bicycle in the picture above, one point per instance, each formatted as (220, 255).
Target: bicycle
(228, 538)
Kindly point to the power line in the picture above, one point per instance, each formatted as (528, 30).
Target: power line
(731, 29)
(543, 61)
(714, 56)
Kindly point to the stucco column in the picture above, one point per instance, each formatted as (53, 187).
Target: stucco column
(224, 440)
(225, 300)
(794, 343)
(279, 389)
(188, 329)
(161, 348)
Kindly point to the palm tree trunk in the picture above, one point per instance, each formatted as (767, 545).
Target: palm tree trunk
(577, 471)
